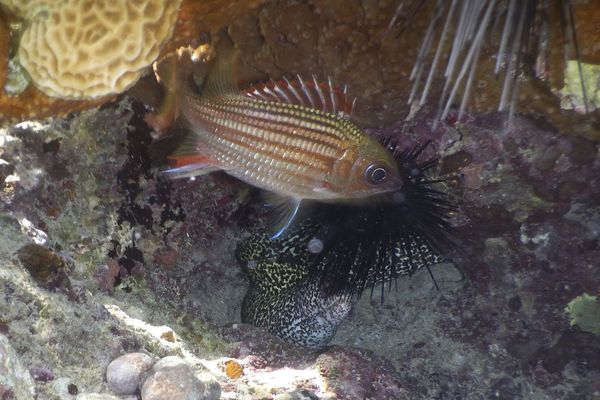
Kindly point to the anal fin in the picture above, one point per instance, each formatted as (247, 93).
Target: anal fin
(190, 166)
(190, 160)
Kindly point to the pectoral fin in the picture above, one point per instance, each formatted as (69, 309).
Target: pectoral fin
(285, 210)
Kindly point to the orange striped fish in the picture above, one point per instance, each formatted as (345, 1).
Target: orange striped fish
(292, 138)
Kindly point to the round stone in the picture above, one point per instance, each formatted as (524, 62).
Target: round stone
(123, 374)
(173, 379)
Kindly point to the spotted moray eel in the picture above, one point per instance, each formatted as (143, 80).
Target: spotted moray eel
(289, 298)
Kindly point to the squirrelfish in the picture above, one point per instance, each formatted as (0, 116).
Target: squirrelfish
(293, 138)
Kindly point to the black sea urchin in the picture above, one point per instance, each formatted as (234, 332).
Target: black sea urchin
(353, 246)
(303, 282)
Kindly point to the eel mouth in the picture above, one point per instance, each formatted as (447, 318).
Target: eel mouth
(337, 307)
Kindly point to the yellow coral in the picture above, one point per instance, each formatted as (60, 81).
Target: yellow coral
(62, 64)
(91, 48)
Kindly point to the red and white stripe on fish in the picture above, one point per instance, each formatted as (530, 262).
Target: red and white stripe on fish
(291, 137)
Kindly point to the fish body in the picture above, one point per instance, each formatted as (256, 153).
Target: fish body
(292, 138)
(288, 149)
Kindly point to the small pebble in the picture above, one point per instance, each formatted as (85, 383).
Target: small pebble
(41, 374)
(72, 389)
(168, 335)
(123, 374)
(173, 379)
(63, 387)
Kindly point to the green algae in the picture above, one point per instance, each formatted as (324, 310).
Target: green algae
(584, 312)
(573, 91)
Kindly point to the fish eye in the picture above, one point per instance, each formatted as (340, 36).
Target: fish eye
(375, 174)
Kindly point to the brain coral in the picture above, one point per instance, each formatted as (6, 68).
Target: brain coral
(91, 48)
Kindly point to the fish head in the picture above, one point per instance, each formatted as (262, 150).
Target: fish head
(364, 170)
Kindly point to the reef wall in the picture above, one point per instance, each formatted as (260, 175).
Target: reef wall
(100, 255)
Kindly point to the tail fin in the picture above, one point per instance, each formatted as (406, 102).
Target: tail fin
(174, 72)
(177, 72)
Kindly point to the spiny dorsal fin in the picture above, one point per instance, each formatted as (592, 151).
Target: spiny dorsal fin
(304, 92)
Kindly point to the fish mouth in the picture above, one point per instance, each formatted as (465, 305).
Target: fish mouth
(394, 184)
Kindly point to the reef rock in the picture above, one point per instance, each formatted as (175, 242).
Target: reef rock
(15, 381)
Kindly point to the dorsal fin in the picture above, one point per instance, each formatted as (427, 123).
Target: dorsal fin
(305, 92)
(222, 78)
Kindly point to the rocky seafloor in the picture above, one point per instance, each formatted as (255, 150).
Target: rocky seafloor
(101, 256)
